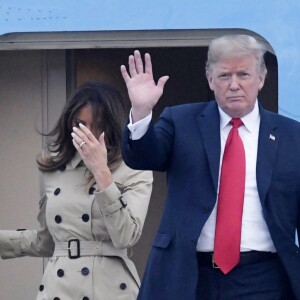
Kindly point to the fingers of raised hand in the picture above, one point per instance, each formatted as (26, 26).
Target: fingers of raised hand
(148, 64)
(78, 140)
(101, 139)
(136, 65)
(138, 62)
(86, 132)
(132, 66)
(124, 73)
(77, 145)
(82, 137)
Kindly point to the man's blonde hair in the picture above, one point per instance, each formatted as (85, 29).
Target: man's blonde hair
(229, 46)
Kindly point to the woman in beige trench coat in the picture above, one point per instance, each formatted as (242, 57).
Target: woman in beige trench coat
(93, 207)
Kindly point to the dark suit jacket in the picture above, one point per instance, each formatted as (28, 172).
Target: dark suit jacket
(185, 143)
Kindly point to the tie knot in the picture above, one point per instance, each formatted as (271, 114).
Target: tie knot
(236, 122)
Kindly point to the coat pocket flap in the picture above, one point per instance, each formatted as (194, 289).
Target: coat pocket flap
(162, 240)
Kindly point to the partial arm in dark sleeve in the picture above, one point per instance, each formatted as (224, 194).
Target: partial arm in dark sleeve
(152, 151)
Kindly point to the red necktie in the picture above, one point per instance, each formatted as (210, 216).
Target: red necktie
(230, 201)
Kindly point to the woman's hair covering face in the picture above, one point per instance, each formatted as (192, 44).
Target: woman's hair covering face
(109, 115)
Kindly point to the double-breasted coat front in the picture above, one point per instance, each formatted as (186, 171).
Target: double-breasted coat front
(86, 232)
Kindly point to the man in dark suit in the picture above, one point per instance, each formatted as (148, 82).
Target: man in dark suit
(194, 254)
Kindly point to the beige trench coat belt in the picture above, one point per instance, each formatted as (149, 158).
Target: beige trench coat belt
(75, 248)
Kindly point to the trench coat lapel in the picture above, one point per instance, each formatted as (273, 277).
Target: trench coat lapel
(209, 125)
(266, 153)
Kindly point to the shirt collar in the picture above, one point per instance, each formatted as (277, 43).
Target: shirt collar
(251, 121)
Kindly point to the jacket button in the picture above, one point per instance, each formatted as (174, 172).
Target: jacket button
(123, 286)
(56, 298)
(92, 190)
(85, 217)
(60, 273)
(85, 271)
(58, 219)
(41, 288)
(57, 191)
(85, 298)
(62, 168)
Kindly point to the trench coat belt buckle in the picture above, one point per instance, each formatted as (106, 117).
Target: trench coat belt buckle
(77, 244)
(75, 248)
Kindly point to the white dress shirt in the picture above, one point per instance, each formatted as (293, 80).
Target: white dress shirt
(255, 234)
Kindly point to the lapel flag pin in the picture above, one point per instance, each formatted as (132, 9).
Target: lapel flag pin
(272, 137)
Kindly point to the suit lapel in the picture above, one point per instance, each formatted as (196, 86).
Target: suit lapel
(209, 124)
(266, 153)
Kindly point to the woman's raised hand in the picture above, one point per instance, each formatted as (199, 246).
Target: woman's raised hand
(94, 154)
(143, 92)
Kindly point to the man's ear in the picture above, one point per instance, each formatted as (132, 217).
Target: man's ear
(262, 82)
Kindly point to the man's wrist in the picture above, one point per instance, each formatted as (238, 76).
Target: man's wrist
(139, 114)
(138, 129)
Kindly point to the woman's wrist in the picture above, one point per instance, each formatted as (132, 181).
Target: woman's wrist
(103, 178)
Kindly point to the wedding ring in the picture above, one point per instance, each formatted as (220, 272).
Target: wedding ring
(81, 144)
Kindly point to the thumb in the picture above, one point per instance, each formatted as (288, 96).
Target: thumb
(162, 81)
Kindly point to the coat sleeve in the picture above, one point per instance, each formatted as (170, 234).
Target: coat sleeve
(152, 151)
(28, 242)
(124, 205)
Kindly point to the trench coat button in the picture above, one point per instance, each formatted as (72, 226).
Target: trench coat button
(62, 168)
(58, 219)
(123, 286)
(60, 273)
(85, 271)
(85, 298)
(57, 191)
(92, 190)
(85, 217)
(41, 288)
